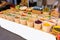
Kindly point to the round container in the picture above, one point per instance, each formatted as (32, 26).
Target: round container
(56, 30)
(46, 26)
(17, 19)
(9, 18)
(42, 19)
(3, 16)
(29, 9)
(23, 8)
(23, 20)
(45, 13)
(30, 23)
(37, 24)
(53, 21)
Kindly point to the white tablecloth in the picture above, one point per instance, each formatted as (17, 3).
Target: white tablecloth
(25, 31)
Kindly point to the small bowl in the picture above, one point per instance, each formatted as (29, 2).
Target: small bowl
(56, 30)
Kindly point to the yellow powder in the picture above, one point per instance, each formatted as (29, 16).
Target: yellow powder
(46, 24)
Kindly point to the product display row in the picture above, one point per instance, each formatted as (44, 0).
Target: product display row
(40, 20)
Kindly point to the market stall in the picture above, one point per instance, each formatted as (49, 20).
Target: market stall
(32, 23)
(25, 31)
(43, 24)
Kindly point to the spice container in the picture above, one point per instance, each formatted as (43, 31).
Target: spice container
(37, 24)
(46, 26)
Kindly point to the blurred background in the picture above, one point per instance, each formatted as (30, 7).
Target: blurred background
(29, 3)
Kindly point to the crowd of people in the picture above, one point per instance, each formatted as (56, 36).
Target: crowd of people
(5, 4)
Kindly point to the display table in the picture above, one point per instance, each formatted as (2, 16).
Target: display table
(25, 31)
